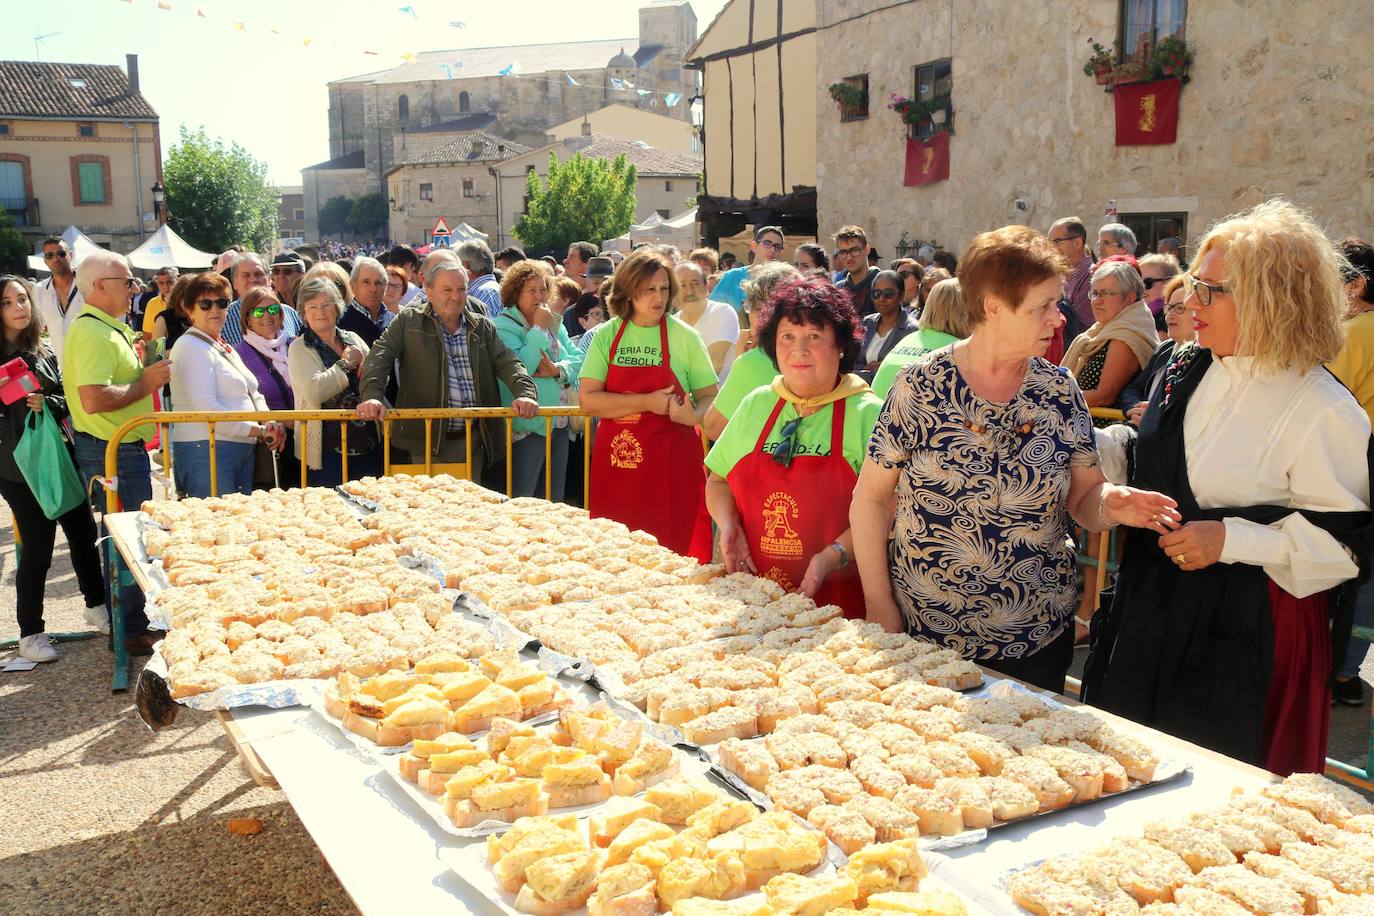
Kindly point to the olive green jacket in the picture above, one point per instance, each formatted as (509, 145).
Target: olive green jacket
(414, 343)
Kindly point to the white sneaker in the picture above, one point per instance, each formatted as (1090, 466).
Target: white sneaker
(98, 619)
(37, 648)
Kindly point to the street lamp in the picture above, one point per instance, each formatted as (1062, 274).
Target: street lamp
(159, 195)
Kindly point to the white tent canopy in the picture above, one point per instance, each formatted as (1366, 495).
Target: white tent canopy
(76, 240)
(167, 249)
(465, 233)
(680, 230)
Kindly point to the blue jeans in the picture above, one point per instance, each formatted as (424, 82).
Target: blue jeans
(234, 463)
(135, 488)
(527, 457)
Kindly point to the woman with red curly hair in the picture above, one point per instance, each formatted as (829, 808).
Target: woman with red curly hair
(786, 463)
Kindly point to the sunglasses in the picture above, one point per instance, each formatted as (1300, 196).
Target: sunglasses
(1151, 281)
(273, 309)
(53, 255)
(785, 450)
(129, 282)
(206, 304)
(905, 275)
(884, 294)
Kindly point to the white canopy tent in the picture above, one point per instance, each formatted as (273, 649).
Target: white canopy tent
(167, 249)
(680, 230)
(76, 240)
(465, 233)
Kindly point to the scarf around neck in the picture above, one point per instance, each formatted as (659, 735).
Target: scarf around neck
(849, 384)
(1133, 325)
(274, 351)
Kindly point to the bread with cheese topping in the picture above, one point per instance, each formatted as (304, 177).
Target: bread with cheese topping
(557, 884)
(618, 814)
(793, 895)
(935, 902)
(895, 866)
(628, 889)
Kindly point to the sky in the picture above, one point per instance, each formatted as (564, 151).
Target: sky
(255, 71)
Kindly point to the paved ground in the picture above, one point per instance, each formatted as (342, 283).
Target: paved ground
(98, 814)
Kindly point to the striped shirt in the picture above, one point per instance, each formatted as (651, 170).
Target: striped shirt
(462, 390)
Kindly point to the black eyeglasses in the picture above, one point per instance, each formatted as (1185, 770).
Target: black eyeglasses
(1067, 238)
(129, 282)
(771, 245)
(206, 304)
(904, 275)
(273, 309)
(786, 449)
(1205, 291)
(885, 294)
(1151, 281)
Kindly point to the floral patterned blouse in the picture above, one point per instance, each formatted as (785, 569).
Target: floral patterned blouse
(979, 556)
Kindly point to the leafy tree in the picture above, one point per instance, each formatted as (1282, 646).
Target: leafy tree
(588, 199)
(218, 196)
(334, 215)
(368, 215)
(14, 251)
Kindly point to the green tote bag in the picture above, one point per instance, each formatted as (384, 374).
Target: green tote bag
(47, 466)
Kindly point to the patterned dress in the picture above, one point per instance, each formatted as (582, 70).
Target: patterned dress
(979, 555)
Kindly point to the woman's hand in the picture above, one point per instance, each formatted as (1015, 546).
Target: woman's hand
(542, 317)
(1197, 545)
(1136, 412)
(680, 410)
(822, 564)
(661, 401)
(1140, 509)
(734, 550)
(546, 367)
(352, 356)
(885, 613)
(371, 410)
(274, 434)
(34, 401)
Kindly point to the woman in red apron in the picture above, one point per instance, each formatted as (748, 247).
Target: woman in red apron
(785, 466)
(646, 458)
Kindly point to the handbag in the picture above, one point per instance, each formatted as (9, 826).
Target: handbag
(47, 465)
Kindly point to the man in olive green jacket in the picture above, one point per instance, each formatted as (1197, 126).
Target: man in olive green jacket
(446, 356)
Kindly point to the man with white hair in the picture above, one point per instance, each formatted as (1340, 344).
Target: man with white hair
(107, 385)
(366, 315)
(1114, 239)
(250, 271)
(445, 355)
(480, 267)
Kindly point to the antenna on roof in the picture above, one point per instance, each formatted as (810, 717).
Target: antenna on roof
(38, 41)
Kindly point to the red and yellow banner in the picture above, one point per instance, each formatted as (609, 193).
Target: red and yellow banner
(927, 161)
(1147, 113)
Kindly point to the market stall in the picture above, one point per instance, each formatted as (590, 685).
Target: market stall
(469, 617)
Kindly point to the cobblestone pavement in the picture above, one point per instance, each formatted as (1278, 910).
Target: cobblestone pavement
(100, 815)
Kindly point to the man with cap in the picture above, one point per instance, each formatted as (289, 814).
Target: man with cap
(287, 268)
(249, 271)
(598, 269)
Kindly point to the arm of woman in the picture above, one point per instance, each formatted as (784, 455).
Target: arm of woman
(1330, 473)
(693, 413)
(571, 356)
(870, 521)
(734, 546)
(824, 563)
(719, 350)
(713, 422)
(596, 401)
(160, 327)
(1120, 367)
(1097, 504)
(528, 344)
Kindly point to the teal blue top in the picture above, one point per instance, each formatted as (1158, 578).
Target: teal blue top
(529, 344)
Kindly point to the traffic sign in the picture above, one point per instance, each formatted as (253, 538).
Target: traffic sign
(440, 228)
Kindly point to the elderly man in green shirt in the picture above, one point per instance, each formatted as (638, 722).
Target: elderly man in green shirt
(107, 385)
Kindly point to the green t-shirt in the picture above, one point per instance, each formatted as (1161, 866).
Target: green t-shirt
(752, 370)
(741, 434)
(908, 350)
(99, 350)
(640, 347)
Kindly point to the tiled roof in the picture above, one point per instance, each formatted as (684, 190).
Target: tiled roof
(650, 161)
(475, 121)
(51, 90)
(477, 146)
(353, 160)
(476, 62)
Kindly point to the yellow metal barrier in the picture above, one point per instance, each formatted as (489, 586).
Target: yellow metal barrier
(466, 414)
(1107, 413)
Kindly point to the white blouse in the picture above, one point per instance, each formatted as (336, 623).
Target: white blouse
(207, 379)
(1255, 437)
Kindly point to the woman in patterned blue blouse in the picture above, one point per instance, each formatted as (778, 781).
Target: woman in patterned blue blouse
(987, 451)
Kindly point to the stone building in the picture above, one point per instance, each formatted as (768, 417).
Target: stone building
(518, 93)
(79, 146)
(291, 215)
(758, 65)
(480, 180)
(1279, 101)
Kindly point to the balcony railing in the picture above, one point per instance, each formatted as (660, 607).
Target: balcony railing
(22, 211)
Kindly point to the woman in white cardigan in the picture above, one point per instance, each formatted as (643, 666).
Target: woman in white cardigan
(208, 376)
(324, 362)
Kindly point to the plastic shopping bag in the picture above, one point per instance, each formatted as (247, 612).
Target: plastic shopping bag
(47, 466)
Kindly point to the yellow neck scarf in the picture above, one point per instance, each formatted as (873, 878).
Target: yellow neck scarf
(850, 384)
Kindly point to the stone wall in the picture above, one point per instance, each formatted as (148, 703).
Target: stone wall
(412, 218)
(1280, 102)
(318, 186)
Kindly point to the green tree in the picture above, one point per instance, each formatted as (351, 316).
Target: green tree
(334, 215)
(368, 215)
(218, 196)
(14, 251)
(589, 199)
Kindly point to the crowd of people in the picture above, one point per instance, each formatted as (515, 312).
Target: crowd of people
(919, 443)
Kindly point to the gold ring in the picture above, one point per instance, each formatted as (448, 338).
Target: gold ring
(1181, 559)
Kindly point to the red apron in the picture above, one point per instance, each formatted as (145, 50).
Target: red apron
(792, 513)
(647, 470)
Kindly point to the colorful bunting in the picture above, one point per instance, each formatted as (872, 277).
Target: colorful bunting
(509, 69)
(163, 5)
(409, 11)
(672, 98)
(409, 58)
(571, 81)
(456, 24)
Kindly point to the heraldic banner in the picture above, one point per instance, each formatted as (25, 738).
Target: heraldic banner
(927, 161)
(1147, 113)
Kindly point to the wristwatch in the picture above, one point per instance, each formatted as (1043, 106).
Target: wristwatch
(844, 554)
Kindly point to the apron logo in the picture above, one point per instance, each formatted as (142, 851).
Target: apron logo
(626, 452)
(628, 419)
(779, 539)
(780, 577)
